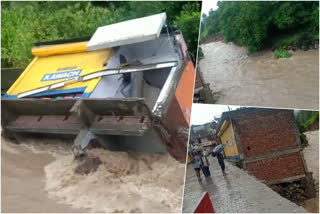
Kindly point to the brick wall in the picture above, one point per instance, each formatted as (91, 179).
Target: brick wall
(266, 131)
(277, 168)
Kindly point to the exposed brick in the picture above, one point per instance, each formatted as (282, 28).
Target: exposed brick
(277, 168)
(263, 134)
(267, 131)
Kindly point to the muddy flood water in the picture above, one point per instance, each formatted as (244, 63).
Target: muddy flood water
(260, 79)
(40, 177)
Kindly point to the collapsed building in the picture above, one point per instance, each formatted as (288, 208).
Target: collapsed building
(265, 143)
(127, 87)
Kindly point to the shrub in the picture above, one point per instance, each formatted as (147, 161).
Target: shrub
(255, 23)
(281, 53)
(188, 22)
(303, 139)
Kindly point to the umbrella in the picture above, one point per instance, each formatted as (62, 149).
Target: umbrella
(195, 149)
(219, 149)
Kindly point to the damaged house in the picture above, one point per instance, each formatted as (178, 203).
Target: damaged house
(265, 143)
(129, 87)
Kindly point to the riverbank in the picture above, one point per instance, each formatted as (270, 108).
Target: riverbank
(311, 155)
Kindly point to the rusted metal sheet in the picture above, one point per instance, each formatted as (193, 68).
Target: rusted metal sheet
(69, 116)
(110, 106)
(54, 124)
(128, 125)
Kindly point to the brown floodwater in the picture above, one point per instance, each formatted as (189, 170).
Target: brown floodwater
(261, 80)
(23, 182)
(39, 176)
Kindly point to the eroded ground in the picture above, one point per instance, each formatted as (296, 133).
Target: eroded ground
(311, 155)
(261, 80)
(40, 177)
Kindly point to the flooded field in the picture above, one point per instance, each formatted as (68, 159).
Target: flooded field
(261, 80)
(40, 177)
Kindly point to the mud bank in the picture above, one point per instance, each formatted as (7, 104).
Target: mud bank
(260, 79)
(123, 182)
(311, 155)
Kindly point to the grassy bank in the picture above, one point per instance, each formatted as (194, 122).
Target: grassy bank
(24, 23)
(260, 25)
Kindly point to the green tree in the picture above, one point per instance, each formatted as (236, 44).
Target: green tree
(256, 24)
(188, 22)
(24, 23)
(305, 119)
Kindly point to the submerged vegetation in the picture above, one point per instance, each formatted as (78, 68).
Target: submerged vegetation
(263, 24)
(24, 23)
(281, 53)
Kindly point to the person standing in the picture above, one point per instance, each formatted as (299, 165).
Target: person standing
(205, 165)
(196, 164)
(221, 163)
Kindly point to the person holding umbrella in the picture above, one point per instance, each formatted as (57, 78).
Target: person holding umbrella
(196, 162)
(205, 164)
(221, 163)
(217, 151)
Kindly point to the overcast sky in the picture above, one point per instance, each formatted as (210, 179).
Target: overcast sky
(204, 113)
(209, 4)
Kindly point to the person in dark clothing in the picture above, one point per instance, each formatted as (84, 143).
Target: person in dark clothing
(196, 164)
(221, 163)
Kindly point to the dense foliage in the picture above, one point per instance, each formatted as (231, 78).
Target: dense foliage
(24, 23)
(305, 119)
(281, 53)
(257, 24)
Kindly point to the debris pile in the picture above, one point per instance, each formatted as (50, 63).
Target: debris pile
(295, 191)
(88, 165)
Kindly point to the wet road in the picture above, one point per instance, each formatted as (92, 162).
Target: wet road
(261, 80)
(236, 192)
